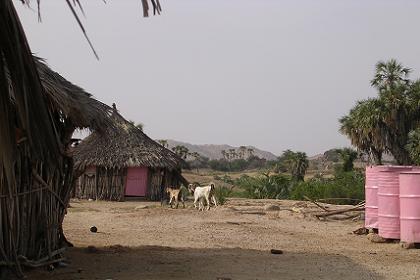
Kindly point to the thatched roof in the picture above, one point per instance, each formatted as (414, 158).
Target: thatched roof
(123, 145)
(78, 106)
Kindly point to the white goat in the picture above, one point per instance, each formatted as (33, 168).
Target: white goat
(201, 193)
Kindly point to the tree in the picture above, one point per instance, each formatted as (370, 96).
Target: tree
(413, 146)
(181, 151)
(232, 154)
(389, 75)
(163, 142)
(138, 125)
(365, 129)
(224, 154)
(250, 152)
(296, 163)
(383, 124)
(241, 152)
(348, 156)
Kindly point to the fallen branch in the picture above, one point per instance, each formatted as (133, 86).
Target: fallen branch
(356, 208)
(316, 203)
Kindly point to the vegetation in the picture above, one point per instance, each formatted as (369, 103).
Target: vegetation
(265, 186)
(296, 163)
(349, 185)
(221, 193)
(347, 156)
(413, 146)
(383, 124)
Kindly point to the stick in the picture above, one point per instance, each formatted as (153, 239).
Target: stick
(357, 208)
(317, 204)
(42, 182)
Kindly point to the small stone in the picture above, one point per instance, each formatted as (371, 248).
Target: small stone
(361, 231)
(375, 238)
(141, 207)
(271, 207)
(276, 252)
(407, 245)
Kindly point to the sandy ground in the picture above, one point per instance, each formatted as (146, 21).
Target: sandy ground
(229, 242)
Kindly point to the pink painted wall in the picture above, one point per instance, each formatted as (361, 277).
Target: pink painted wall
(136, 184)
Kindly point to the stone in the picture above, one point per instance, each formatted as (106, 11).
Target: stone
(276, 251)
(271, 207)
(375, 238)
(407, 245)
(141, 207)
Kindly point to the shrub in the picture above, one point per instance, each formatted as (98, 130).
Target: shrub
(348, 185)
(221, 193)
(265, 186)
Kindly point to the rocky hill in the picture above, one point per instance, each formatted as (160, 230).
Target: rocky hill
(212, 151)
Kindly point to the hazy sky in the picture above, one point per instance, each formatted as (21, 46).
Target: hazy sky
(270, 73)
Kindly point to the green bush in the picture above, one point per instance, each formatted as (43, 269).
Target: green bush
(221, 193)
(265, 186)
(348, 185)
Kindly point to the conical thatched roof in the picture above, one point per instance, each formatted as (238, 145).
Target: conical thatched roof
(123, 145)
(72, 101)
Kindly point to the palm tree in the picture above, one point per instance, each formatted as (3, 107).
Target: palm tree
(250, 152)
(163, 142)
(225, 154)
(232, 153)
(181, 151)
(413, 146)
(300, 166)
(390, 74)
(382, 124)
(348, 156)
(365, 129)
(296, 163)
(242, 151)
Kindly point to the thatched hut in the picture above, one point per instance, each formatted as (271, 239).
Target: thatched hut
(123, 161)
(35, 186)
(40, 111)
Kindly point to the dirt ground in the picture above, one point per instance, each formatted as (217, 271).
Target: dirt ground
(141, 240)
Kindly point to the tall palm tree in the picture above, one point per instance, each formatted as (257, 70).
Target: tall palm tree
(348, 156)
(296, 163)
(365, 129)
(413, 146)
(390, 74)
(163, 142)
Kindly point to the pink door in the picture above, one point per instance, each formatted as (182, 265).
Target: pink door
(136, 184)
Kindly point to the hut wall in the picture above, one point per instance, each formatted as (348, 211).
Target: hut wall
(160, 179)
(102, 183)
(32, 211)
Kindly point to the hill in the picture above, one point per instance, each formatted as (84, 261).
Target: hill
(213, 151)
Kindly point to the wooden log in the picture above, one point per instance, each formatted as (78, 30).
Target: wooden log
(356, 208)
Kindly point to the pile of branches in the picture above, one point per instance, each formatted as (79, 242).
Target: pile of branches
(338, 213)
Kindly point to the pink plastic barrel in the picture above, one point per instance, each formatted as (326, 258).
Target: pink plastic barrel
(371, 195)
(410, 206)
(389, 201)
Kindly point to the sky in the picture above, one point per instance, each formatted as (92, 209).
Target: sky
(275, 74)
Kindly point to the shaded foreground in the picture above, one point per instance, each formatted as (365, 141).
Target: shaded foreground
(232, 241)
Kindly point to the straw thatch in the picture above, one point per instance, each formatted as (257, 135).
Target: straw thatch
(117, 148)
(123, 145)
